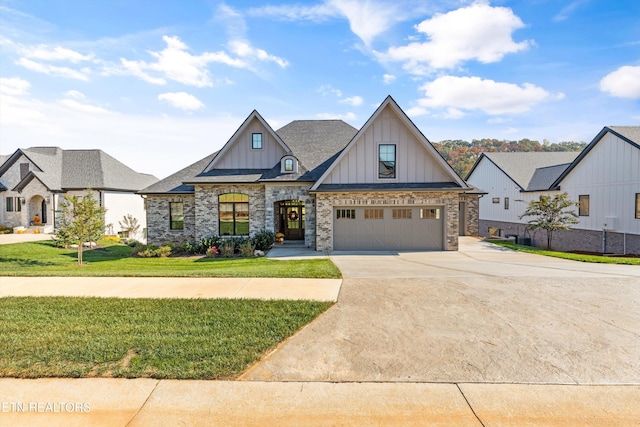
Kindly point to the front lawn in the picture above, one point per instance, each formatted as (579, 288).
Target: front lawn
(133, 338)
(43, 259)
(568, 255)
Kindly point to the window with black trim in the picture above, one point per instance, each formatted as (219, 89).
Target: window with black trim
(176, 216)
(637, 205)
(386, 161)
(430, 213)
(256, 141)
(506, 203)
(234, 214)
(9, 204)
(345, 214)
(495, 200)
(583, 205)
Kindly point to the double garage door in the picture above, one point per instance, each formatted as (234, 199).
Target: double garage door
(388, 228)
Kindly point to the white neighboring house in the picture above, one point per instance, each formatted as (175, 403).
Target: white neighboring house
(604, 178)
(34, 180)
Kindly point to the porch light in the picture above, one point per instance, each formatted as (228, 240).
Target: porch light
(22, 200)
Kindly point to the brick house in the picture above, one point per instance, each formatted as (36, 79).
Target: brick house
(321, 182)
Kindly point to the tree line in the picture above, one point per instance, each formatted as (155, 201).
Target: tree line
(461, 155)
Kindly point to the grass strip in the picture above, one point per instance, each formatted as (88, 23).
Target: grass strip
(143, 338)
(568, 255)
(44, 259)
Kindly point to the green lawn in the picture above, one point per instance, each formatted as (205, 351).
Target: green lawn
(43, 259)
(133, 338)
(567, 255)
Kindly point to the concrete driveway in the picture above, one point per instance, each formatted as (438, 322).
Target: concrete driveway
(482, 314)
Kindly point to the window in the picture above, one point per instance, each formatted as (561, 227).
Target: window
(345, 214)
(506, 203)
(637, 205)
(176, 216)
(386, 161)
(288, 165)
(430, 213)
(374, 214)
(495, 200)
(583, 205)
(9, 204)
(256, 141)
(234, 214)
(401, 214)
(18, 204)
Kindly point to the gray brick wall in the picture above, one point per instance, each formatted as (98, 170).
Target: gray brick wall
(278, 193)
(158, 229)
(570, 240)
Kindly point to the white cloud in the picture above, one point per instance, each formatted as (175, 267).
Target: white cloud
(74, 94)
(417, 111)
(354, 101)
(334, 116)
(388, 79)
(368, 18)
(623, 82)
(85, 108)
(245, 50)
(477, 32)
(53, 70)
(14, 86)
(568, 9)
(472, 93)
(327, 89)
(56, 53)
(181, 100)
(297, 12)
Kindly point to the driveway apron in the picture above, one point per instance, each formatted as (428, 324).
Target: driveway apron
(482, 314)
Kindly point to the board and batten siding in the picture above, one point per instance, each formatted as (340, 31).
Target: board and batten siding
(241, 155)
(610, 175)
(414, 164)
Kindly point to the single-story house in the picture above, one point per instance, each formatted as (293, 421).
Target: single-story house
(33, 181)
(604, 179)
(323, 183)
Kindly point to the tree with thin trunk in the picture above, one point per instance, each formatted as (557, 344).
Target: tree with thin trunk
(81, 220)
(129, 226)
(551, 214)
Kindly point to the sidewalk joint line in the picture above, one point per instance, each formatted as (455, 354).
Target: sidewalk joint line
(143, 403)
(469, 404)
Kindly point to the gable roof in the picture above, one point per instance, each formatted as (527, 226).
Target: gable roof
(62, 170)
(629, 134)
(531, 171)
(254, 115)
(390, 102)
(174, 184)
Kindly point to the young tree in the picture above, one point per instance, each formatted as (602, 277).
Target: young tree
(551, 214)
(81, 220)
(130, 226)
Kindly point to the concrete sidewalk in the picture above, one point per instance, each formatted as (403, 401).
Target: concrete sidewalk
(172, 287)
(144, 402)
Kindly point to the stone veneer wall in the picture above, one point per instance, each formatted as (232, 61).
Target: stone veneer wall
(325, 202)
(472, 213)
(569, 240)
(158, 231)
(206, 198)
(278, 193)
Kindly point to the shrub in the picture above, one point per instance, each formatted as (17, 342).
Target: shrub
(111, 238)
(164, 251)
(264, 240)
(208, 242)
(212, 252)
(5, 230)
(227, 250)
(246, 249)
(151, 251)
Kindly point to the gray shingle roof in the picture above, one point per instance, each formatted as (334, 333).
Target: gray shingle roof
(61, 170)
(533, 170)
(174, 184)
(630, 132)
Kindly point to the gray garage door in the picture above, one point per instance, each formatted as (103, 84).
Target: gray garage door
(384, 228)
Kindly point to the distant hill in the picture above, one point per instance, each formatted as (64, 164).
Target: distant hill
(461, 155)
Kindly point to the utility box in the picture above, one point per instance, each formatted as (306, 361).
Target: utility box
(610, 223)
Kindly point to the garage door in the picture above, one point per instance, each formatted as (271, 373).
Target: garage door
(384, 228)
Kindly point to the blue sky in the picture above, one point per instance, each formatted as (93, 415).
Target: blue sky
(161, 84)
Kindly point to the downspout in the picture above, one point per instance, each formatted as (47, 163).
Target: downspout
(604, 240)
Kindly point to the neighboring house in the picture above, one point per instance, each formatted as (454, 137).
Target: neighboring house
(604, 178)
(321, 182)
(33, 181)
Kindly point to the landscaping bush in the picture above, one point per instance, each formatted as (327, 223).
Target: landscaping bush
(264, 240)
(246, 249)
(112, 238)
(5, 230)
(151, 251)
(227, 250)
(212, 252)
(209, 242)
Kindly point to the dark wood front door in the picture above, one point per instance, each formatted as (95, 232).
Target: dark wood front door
(292, 220)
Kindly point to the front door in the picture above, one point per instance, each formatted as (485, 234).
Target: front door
(292, 220)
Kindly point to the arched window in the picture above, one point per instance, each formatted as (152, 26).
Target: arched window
(234, 214)
(288, 165)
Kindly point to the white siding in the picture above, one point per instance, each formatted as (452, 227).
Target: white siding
(610, 175)
(120, 204)
(414, 164)
(488, 178)
(241, 155)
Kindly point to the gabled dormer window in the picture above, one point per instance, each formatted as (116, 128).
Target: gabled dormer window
(386, 161)
(288, 164)
(256, 141)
